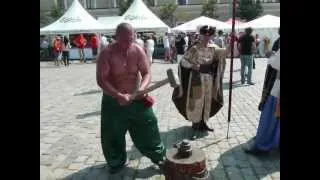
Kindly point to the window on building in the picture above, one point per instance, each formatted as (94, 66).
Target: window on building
(60, 4)
(82, 2)
(149, 2)
(90, 4)
(195, 2)
(103, 4)
(182, 2)
(118, 2)
(69, 2)
(224, 2)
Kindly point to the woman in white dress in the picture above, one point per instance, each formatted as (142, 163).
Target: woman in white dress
(150, 48)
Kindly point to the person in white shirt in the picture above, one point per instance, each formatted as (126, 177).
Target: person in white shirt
(139, 41)
(166, 44)
(44, 45)
(186, 39)
(65, 50)
(150, 48)
(220, 39)
(104, 41)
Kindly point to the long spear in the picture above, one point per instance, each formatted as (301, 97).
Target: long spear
(231, 62)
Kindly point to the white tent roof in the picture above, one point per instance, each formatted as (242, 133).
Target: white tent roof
(267, 21)
(193, 25)
(266, 26)
(109, 21)
(75, 20)
(142, 18)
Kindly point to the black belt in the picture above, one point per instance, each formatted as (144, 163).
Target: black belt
(207, 68)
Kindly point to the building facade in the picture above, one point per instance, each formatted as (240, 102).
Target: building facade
(186, 10)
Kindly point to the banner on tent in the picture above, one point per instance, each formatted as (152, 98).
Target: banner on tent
(70, 19)
(133, 17)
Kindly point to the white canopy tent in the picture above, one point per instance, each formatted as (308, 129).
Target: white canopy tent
(193, 25)
(265, 26)
(141, 18)
(264, 22)
(75, 20)
(110, 22)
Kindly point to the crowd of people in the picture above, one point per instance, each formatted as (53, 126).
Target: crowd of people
(174, 46)
(60, 47)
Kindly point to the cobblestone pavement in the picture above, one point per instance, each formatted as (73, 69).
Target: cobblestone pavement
(70, 121)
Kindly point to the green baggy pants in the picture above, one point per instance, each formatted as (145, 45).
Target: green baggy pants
(142, 125)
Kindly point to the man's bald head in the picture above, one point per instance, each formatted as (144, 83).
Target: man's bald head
(124, 35)
(123, 27)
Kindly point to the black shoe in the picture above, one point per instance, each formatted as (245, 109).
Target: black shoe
(195, 126)
(114, 170)
(255, 151)
(161, 165)
(205, 127)
(251, 83)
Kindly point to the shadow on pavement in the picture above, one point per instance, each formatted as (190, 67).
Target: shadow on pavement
(88, 92)
(235, 84)
(169, 138)
(232, 164)
(237, 70)
(235, 160)
(85, 115)
(101, 171)
(50, 67)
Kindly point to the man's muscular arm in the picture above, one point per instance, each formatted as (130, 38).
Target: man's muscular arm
(103, 70)
(144, 68)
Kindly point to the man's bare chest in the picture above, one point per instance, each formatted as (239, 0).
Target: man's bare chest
(121, 65)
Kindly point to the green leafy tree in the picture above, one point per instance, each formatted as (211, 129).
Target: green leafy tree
(149, 2)
(249, 9)
(50, 16)
(56, 12)
(209, 8)
(181, 16)
(43, 18)
(166, 13)
(124, 6)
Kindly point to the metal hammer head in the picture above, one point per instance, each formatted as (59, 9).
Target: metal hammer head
(173, 78)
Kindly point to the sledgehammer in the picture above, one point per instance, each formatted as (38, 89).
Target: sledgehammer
(172, 79)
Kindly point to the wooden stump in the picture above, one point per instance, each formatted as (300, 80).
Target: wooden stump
(190, 168)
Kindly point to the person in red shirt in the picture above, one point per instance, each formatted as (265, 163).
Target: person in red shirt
(81, 42)
(94, 46)
(57, 50)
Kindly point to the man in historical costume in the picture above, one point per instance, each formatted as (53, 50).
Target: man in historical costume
(118, 70)
(200, 95)
(268, 133)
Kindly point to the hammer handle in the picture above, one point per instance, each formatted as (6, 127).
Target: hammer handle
(152, 87)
